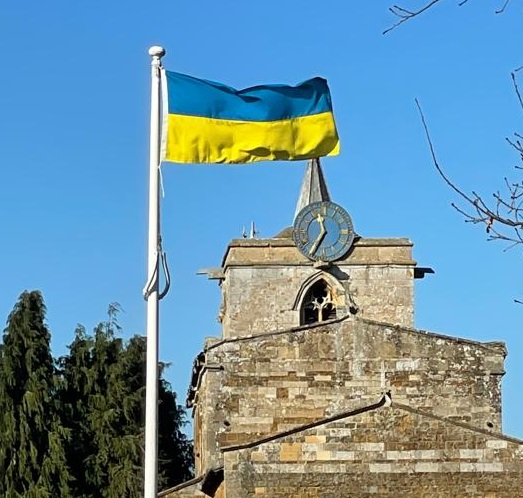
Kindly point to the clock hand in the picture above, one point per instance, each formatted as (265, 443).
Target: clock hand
(321, 235)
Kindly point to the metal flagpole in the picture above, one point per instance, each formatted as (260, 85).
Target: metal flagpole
(151, 291)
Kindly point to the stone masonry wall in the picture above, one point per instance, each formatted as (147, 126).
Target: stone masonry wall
(391, 452)
(272, 383)
(263, 279)
(208, 415)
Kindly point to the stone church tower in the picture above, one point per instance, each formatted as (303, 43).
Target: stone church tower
(321, 387)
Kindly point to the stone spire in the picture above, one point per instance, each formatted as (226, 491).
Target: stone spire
(313, 188)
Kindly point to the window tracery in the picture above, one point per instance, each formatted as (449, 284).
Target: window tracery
(318, 304)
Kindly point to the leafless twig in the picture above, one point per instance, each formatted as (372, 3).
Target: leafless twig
(403, 14)
(516, 86)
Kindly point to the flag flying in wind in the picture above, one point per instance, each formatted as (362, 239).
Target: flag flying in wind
(207, 122)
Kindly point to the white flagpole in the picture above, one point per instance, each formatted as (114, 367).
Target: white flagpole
(151, 386)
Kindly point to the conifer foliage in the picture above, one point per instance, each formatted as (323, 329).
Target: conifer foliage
(91, 411)
(32, 456)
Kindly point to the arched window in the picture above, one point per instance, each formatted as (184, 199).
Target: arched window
(318, 304)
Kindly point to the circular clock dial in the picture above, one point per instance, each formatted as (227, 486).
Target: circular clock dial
(323, 231)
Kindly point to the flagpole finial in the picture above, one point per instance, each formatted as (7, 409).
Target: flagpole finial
(156, 51)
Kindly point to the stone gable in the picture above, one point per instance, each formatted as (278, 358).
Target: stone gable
(273, 382)
(380, 451)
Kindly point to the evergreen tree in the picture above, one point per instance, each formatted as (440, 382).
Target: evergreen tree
(74, 397)
(104, 452)
(175, 451)
(103, 406)
(32, 457)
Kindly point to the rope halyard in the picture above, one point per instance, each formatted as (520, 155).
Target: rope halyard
(161, 256)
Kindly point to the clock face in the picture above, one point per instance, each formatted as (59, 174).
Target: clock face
(323, 231)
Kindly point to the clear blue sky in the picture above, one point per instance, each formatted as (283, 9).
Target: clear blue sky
(74, 105)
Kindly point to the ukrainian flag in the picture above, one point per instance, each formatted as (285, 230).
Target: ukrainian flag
(207, 122)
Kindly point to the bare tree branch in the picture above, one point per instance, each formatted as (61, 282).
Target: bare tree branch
(503, 219)
(500, 11)
(403, 15)
(516, 86)
(434, 158)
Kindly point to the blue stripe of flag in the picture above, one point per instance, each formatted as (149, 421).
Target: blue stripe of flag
(191, 96)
